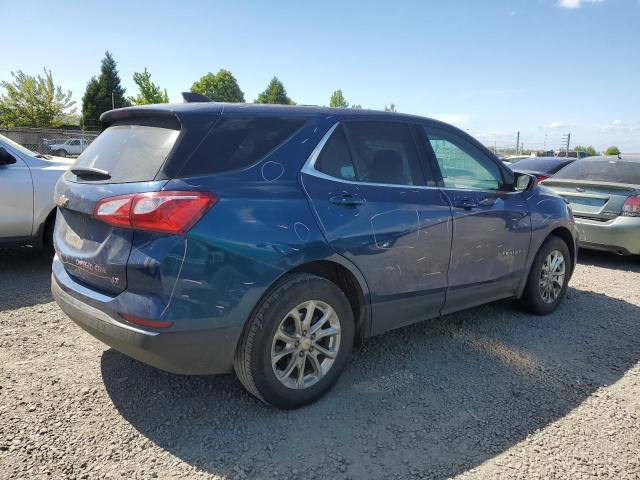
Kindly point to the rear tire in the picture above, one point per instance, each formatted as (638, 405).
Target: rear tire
(305, 321)
(548, 278)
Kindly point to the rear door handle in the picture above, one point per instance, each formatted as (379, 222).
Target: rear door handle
(465, 202)
(347, 199)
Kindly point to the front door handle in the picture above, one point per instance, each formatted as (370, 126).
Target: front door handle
(347, 199)
(465, 202)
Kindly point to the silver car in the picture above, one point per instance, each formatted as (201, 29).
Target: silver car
(27, 179)
(604, 194)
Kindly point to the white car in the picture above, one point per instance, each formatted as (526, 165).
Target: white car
(27, 179)
(73, 146)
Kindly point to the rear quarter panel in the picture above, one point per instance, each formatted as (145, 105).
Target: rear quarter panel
(261, 228)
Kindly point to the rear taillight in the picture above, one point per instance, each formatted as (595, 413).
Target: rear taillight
(163, 212)
(631, 207)
(541, 177)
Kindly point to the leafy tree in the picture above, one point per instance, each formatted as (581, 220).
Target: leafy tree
(338, 100)
(103, 93)
(219, 87)
(149, 91)
(588, 150)
(356, 105)
(612, 150)
(34, 101)
(275, 93)
(390, 108)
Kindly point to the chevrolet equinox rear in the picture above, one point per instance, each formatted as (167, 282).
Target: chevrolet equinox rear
(204, 238)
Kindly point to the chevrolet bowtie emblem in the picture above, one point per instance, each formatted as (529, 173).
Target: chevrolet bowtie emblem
(62, 201)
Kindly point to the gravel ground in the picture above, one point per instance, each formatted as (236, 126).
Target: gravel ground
(487, 393)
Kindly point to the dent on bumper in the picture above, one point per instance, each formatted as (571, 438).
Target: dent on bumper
(621, 235)
(191, 352)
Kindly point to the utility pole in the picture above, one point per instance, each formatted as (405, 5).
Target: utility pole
(518, 144)
(566, 140)
(113, 103)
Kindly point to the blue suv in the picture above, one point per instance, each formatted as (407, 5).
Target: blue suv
(202, 238)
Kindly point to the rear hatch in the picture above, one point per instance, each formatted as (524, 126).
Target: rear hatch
(126, 158)
(597, 187)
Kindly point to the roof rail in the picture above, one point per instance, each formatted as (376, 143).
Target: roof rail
(190, 97)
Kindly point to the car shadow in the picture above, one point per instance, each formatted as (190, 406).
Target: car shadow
(34, 269)
(433, 399)
(609, 260)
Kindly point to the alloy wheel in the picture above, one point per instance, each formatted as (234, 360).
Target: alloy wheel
(305, 344)
(552, 276)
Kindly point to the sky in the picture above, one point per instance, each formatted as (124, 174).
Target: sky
(544, 68)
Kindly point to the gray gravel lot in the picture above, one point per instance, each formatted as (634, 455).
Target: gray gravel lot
(487, 393)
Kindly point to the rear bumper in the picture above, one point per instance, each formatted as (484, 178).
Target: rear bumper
(621, 235)
(190, 352)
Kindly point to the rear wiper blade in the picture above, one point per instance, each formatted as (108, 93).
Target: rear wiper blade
(90, 172)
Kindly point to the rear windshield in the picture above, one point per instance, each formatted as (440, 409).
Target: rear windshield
(539, 165)
(129, 153)
(237, 142)
(614, 171)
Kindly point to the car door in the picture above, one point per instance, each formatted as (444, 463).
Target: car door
(366, 185)
(491, 221)
(16, 199)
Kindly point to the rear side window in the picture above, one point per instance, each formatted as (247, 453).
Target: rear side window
(238, 142)
(384, 152)
(615, 171)
(335, 158)
(372, 152)
(129, 153)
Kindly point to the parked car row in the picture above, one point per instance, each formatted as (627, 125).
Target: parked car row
(271, 243)
(27, 180)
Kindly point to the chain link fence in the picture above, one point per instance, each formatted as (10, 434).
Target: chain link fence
(62, 143)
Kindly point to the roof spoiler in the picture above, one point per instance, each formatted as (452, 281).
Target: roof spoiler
(190, 97)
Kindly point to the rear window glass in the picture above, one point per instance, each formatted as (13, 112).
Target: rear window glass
(237, 142)
(129, 153)
(615, 171)
(538, 165)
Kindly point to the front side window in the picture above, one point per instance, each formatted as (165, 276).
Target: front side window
(372, 152)
(461, 164)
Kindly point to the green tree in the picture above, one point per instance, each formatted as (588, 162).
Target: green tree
(612, 150)
(34, 101)
(588, 150)
(275, 93)
(103, 93)
(390, 108)
(219, 87)
(338, 100)
(356, 105)
(149, 91)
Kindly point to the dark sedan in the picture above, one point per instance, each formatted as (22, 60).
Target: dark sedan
(542, 167)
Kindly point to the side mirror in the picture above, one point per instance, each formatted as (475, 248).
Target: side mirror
(524, 181)
(5, 157)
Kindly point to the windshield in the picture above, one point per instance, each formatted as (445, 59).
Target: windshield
(16, 146)
(615, 171)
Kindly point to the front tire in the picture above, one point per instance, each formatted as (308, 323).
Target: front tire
(61, 153)
(548, 278)
(297, 342)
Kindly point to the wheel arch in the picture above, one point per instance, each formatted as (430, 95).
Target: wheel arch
(351, 286)
(565, 235)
